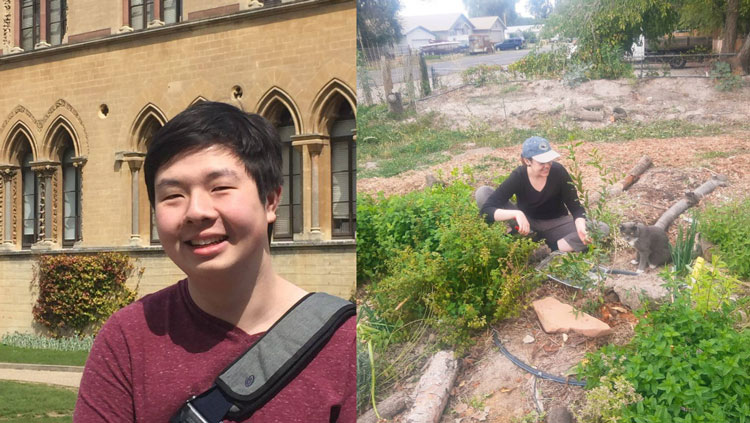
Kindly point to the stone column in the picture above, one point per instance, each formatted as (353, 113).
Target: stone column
(312, 145)
(7, 173)
(45, 171)
(135, 161)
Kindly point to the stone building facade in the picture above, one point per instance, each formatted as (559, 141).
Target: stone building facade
(84, 84)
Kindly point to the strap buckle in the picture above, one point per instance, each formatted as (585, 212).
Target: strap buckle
(188, 414)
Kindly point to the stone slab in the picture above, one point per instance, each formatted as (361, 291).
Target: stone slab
(557, 317)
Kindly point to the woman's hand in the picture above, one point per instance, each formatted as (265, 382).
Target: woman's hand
(582, 233)
(523, 223)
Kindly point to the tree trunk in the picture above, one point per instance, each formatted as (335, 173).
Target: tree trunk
(730, 26)
(744, 55)
(691, 198)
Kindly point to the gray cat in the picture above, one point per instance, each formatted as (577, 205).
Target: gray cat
(650, 242)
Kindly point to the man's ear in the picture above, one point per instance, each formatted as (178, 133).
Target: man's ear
(272, 203)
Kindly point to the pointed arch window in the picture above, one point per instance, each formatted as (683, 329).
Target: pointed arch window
(30, 201)
(71, 198)
(149, 128)
(289, 212)
(343, 172)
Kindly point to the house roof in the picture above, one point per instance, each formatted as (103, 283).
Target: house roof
(485, 22)
(432, 22)
(419, 27)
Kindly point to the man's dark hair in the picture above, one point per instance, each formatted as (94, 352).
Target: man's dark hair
(249, 136)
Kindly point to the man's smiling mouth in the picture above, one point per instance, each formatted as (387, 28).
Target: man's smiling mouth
(206, 241)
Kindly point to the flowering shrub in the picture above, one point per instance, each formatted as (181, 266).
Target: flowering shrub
(77, 293)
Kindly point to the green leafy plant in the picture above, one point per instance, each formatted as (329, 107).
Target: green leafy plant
(77, 293)
(728, 226)
(482, 75)
(476, 275)
(711, 285)
(723, 78)
(683, 363)
(605, 402)
(684, 245)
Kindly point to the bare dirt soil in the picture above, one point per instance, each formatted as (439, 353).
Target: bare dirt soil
(491, 388)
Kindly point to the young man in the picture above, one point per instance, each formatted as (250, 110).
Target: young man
(213, 175)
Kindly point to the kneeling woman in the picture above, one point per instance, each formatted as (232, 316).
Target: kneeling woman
(544, 195)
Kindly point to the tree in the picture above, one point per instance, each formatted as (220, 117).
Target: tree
(377, 22)
(605, 30)
(540, 9)
(726, 17)
(505, 9)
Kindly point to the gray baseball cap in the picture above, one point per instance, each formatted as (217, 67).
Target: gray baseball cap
(538, 148)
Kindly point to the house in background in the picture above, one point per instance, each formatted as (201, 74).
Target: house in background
(417, 37)
(445, 27)
(492, 26)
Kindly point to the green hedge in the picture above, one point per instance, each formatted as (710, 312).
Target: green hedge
(429, 255)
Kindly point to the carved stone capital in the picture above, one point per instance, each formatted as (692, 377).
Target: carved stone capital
(134, 159)
(44, 168)
(79, 161)
(314, 142)
(8, 171)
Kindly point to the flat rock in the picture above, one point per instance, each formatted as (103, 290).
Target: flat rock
(557, 317)
(633, 291)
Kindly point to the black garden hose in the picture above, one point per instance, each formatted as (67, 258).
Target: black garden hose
(533, 371)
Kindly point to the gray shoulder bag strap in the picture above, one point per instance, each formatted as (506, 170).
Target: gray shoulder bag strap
(271, 362)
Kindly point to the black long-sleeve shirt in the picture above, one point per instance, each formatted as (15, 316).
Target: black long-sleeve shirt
(555, 200)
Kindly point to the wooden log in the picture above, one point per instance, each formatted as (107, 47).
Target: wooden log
(635, 173)
(433, 389)
(691, 199)
(388, 408)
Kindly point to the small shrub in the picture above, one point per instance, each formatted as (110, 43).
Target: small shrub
(77, 293)
(605, 402)
(482, 75)
(728, 226)
(475, 276)
(386, 226)
(723, 78)
(548, 64)
(711, 285)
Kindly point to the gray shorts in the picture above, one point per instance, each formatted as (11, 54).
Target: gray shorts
(553, 230)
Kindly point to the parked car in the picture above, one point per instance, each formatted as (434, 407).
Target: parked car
(510, 43)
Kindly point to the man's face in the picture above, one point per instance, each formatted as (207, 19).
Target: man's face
(208, 212)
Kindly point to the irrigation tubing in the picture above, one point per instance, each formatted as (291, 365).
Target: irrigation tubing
(533, 371)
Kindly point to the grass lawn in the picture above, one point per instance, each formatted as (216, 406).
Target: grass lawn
(23, 402)
(35, 356)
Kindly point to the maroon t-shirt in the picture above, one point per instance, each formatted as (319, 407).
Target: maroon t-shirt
(156, 353)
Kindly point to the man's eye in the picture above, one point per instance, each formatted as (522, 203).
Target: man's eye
(170, 197)
(222, 188)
